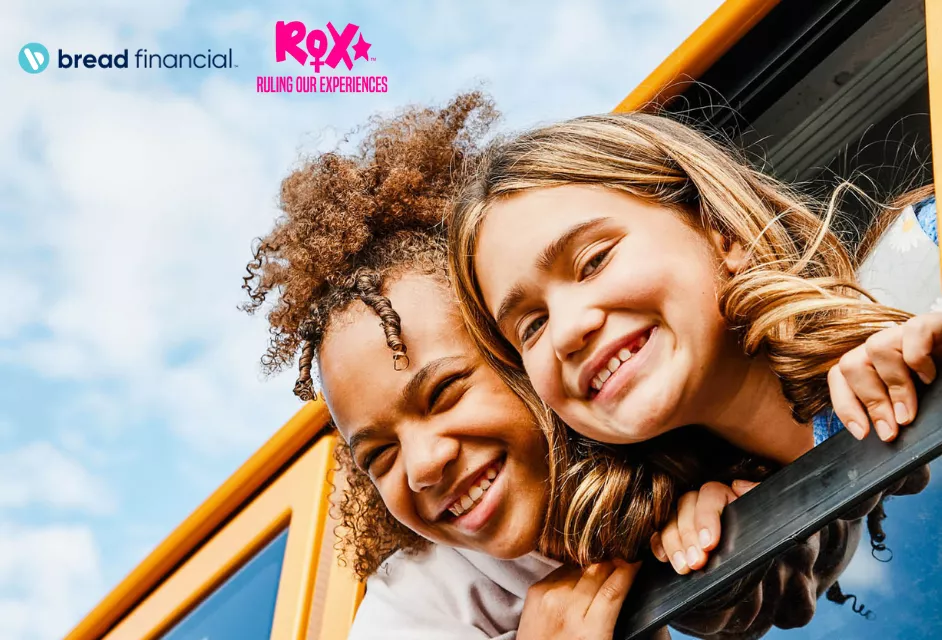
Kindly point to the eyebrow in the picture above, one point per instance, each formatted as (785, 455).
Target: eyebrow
(551, 252)
(409, 392)
(545, 261)
(359, 437)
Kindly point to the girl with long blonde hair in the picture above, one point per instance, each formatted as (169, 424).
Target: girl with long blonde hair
(644, 277)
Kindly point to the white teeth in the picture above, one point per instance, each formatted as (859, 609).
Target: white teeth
(475, 493)
(643, 341)
(623, 356)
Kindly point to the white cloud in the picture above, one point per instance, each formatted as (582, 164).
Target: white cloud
(48, 578)
(39, 474)
(92, 416)
(21, 298)
(866, 574)
(150, 245)
(69, 18)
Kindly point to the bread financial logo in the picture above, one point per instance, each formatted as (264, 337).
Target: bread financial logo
(34, 58)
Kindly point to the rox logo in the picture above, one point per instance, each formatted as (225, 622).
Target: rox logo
(288, 38)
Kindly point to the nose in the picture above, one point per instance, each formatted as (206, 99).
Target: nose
(572, 325)
(427, 455)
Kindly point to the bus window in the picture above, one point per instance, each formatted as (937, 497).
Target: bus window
(243, 606)
(861, 115)
(257, 571)
(826, 91)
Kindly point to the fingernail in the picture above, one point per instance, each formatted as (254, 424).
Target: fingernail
(693, 554)
(854, 428)
(883, 428)
(902, 414)
(925, 379)
(705, 537)
(678, 561)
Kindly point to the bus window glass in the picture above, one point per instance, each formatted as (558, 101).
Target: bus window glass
(241, 607)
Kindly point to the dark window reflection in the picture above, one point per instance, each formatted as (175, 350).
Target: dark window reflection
(243, 606)
(894, 599)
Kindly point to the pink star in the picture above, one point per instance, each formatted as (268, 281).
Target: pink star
(362, 49)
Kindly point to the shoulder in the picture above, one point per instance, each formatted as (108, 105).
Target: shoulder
(427, 572)
(903, 268)
(926, 215)
(408, 597)
(915, 226)
(437, 594)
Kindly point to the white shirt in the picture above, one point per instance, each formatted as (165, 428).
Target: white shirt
(444, 593)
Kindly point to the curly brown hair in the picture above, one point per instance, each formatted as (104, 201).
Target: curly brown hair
(351, 223)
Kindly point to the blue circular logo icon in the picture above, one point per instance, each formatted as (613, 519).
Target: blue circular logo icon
(34, 58)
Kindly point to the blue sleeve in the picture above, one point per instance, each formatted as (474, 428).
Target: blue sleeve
(926, 215)
(825, 424)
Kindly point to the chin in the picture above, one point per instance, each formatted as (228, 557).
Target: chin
(510, 552)
(657, 417)
(511, 547)
(647, 430)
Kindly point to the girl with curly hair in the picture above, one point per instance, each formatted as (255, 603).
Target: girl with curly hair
(645, 277)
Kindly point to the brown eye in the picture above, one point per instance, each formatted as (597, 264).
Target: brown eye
(532, 327)
(594, 263)
(372, 457)
(444, 393)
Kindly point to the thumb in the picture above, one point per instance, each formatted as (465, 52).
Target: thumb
(742, 487)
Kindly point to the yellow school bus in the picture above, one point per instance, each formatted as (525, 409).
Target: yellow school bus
(808, 81)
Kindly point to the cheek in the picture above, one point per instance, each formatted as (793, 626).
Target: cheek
(398, 502)
(501, 415)
(535, 447)
(684, 286)
(540, 365)
(639, 279)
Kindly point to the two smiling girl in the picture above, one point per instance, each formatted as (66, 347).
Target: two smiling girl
(723, 299)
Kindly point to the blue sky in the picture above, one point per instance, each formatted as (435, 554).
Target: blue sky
(129, 382)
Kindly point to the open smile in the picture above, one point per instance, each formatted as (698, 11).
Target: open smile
(615, 365)
(473, 508)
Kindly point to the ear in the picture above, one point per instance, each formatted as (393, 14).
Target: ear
(731, 252)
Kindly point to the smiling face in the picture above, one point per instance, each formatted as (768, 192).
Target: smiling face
(612, 304)
(454, 453)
